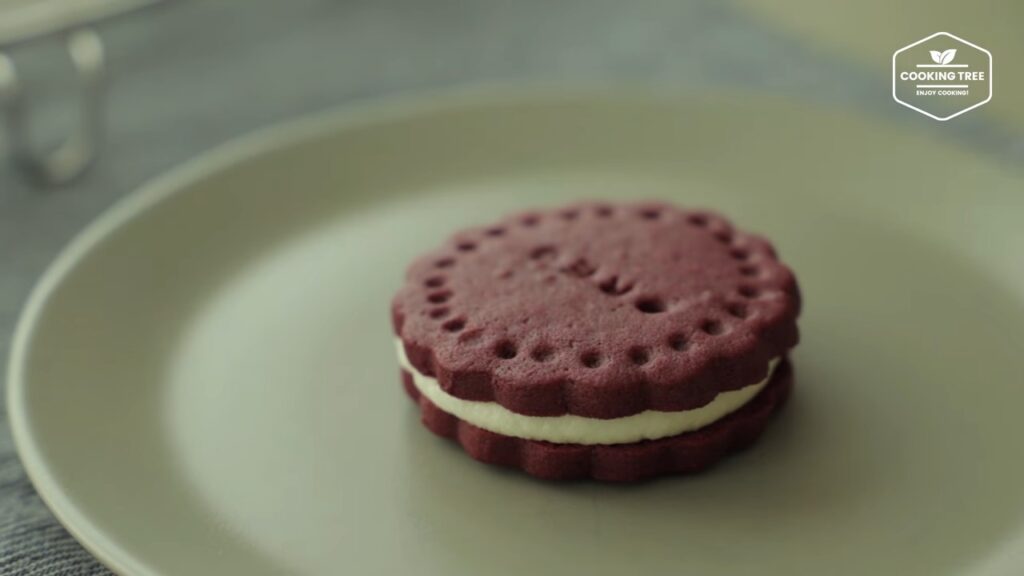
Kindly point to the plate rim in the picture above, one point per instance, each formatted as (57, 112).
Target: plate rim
(157, 189)
(148, 195)
(255, 143)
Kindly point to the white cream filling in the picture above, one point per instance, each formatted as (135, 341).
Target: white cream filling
(573, 429)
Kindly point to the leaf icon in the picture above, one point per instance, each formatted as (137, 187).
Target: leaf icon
(936, 56)
(948, 56)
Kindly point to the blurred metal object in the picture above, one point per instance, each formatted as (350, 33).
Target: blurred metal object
(77, 151)
(25, 20)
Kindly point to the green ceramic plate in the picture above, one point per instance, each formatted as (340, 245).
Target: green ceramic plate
(204, 382)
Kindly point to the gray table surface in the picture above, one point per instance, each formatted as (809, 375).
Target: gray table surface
(187, 76)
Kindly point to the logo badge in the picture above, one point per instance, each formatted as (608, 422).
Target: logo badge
(942, 76)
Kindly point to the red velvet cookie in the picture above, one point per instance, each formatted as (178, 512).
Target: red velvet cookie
(599, 328)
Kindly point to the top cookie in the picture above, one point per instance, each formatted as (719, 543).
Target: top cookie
(597, 309)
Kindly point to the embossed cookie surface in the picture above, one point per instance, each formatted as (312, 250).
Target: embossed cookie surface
(598, 310)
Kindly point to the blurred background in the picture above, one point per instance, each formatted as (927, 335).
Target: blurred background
(148, 85)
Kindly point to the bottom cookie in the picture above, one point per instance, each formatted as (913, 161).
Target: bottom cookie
(682, 454)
